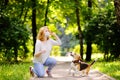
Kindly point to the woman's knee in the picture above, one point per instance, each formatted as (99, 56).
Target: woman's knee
(41, 75)
(39, 69)
(54, 62)
(50, 62)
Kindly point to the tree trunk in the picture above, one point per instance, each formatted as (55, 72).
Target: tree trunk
(34, 23)
(79, 28)
(89, 42)
(3, 4)
(6, 2)
(46, 13)
(16, 54)
(117, 10)
(89, 51)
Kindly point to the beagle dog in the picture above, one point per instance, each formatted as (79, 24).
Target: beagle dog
(78, 65)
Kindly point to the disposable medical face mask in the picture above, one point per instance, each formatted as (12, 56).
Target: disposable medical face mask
(47, 34)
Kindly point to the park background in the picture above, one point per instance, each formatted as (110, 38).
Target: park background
(90, 28)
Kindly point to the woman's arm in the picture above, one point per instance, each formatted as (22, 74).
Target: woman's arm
(39, 53)
(58, 41)
(38, 50)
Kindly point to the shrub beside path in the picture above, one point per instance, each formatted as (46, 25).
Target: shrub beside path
(60, 72)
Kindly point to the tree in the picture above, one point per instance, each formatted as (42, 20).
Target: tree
(116, 50)
(117, 10)
(13, 31)
(34, 23)
(79, 28)
(46, 12)
(88, 40)
(13, 38)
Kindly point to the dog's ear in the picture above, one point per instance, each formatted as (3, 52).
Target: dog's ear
(80, 58)
(71, 54)
(74, 53)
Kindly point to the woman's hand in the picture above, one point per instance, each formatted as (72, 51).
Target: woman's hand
(39, 53)
(53, 34)
(43, 51)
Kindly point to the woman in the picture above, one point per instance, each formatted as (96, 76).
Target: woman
(43, 48)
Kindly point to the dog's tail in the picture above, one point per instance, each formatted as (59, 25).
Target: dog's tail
(93, 62)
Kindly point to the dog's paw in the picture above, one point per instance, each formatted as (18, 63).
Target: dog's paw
(84, 75)
(73, 74)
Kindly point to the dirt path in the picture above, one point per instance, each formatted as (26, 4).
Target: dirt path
(60, 72)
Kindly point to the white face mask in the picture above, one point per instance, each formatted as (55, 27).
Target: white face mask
(47, 34)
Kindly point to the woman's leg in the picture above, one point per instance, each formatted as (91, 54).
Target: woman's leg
(39, 69)
(50, 62)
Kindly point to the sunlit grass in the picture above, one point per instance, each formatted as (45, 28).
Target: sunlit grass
(110, 68)
(14, 71)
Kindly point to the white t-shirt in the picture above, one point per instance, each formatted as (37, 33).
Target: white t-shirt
(48, 46)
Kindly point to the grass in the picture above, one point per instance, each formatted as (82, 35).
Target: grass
(15, 71)
(110, 68)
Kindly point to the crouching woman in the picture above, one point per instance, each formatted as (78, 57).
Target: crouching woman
(43, 48)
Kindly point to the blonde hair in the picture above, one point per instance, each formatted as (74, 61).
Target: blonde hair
(41, 34)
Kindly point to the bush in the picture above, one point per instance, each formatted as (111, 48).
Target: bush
(56, 51)
(14, 36)
(95, 49)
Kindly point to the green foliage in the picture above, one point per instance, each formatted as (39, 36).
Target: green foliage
(76, 49)
(103, 31)
(95, 49)
(56, 51)
(14, 36)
